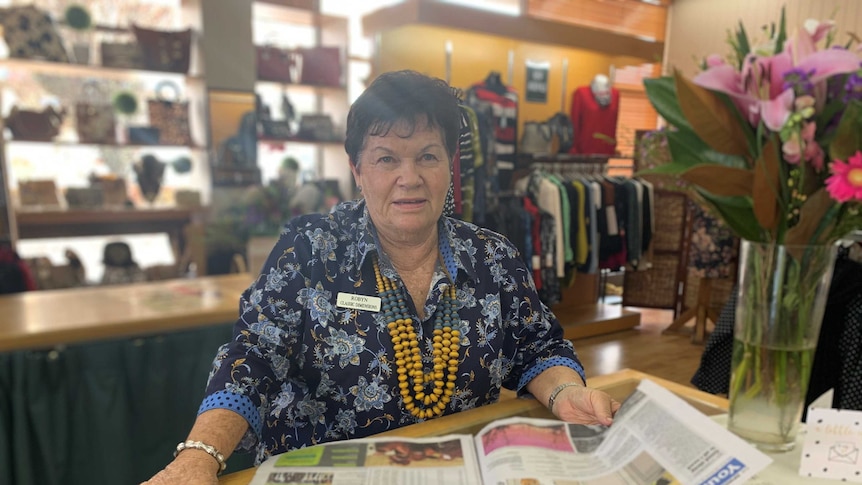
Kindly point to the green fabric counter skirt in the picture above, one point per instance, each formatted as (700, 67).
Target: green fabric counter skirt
(102, 412)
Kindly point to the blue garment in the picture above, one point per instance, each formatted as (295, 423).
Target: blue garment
(304, 371)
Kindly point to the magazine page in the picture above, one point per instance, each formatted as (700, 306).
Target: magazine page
(387, 461)
(656, 438)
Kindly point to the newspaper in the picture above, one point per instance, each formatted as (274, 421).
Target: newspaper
(657, 438)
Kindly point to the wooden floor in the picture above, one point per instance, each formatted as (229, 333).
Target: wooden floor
(644, 348)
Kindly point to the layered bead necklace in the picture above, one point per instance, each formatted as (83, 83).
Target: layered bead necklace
(425, 394)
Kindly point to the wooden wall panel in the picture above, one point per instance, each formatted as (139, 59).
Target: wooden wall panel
(621, 16)
(698, 28)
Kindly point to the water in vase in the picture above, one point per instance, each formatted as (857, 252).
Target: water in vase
(767, 393)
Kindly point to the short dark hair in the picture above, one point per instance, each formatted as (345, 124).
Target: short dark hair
(406, 96)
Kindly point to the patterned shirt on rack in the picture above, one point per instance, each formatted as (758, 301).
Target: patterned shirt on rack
(304, 370)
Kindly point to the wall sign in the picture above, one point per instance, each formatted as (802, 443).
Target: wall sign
(537, 81)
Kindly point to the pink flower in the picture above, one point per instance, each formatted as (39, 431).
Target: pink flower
(845, 183)
(761, 90)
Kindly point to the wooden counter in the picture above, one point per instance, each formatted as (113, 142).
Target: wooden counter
(43, 319)
(619, 385)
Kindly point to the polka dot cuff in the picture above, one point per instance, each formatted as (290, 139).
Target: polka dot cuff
(237, 403)
(545, 365)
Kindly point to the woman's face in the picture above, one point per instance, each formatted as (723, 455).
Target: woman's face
(404, 179)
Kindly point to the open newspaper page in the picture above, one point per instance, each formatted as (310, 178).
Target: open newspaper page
(656, 438)
(386, 461)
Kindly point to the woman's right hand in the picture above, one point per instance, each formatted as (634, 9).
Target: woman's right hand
(191, 467)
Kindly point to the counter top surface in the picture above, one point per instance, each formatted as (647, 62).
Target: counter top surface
(44, 319)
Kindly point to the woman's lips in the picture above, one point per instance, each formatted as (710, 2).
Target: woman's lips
(407, 203)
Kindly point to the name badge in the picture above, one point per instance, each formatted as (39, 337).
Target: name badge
(358, 302)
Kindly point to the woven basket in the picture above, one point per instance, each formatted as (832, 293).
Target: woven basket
(655, 287)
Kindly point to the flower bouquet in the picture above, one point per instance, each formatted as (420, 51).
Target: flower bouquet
(771, 138)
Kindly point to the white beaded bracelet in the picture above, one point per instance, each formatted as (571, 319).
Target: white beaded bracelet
(208, 449)
(558, 390)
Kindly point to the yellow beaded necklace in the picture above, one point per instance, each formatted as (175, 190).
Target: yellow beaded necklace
(423, 403)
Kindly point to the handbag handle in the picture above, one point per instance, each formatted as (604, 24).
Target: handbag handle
(171, 86)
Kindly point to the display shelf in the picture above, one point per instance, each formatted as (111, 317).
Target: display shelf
(317, 88)
(74, 222)
(87, 70)
(285, 141)
(75, 144)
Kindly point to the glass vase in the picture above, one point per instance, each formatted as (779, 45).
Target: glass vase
(781, 298)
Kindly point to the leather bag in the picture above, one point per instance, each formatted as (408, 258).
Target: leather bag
(316, 128)
(537, 138)
(121, 55)
(170, 116)
(143, 135)
(275, 64)
(168, 51)
(35, 125)
(30, 33)
(320, 66)
(95, 120)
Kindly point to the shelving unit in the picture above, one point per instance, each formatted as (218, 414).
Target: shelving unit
(301, 24)
(29, 83)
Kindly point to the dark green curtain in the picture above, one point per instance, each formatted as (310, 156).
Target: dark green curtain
(107, 412)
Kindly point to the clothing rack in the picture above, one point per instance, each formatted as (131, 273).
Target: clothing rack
(572, 167)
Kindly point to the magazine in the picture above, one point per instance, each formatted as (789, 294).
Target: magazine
(657, 438)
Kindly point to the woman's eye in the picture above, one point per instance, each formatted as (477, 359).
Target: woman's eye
(428, 157)
(386, 159)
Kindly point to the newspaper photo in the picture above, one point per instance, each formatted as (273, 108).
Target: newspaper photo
(656, 439)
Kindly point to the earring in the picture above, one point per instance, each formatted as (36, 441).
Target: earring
(360, 188)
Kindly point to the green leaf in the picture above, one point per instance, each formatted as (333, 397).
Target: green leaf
(811, 218)
(782, 32)
(742, 44)
(715, 122)
(719, 180)
(767, 186)
(737, 213)
(662, 94)
(848, 135)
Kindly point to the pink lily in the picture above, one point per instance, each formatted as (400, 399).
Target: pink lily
(759, 90)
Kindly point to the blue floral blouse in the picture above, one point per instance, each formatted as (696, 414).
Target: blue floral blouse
(303, 370)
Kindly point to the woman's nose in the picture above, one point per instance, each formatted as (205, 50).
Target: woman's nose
(409, 173)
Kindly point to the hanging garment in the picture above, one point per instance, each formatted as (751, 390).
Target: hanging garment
(501, 101)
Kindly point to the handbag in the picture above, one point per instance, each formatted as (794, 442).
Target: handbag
(563, 131)
(121, 55)
(168, 51)
(38, 193)
(35, 125)
(30, 34)
(275, 64)
(94, 122)
(170, 116)
(537, 138)
(143, 135)
(316, 128)
(320, 66)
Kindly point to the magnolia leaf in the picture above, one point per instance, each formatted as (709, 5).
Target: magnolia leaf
(848, 135)
(662, 94)
(713, 120)
(782, 32)
(811, 217)
(737, 213)
(767, 184)
(718, 180)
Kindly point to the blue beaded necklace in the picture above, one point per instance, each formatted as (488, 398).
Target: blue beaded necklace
(425, 394)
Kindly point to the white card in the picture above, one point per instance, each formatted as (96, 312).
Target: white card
(358, 302)
(833, 445)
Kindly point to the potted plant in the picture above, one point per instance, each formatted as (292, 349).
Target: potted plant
(78, 19)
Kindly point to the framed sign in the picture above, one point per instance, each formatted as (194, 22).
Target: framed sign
(537, 81)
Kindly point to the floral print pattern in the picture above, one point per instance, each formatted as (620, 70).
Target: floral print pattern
(313, 371)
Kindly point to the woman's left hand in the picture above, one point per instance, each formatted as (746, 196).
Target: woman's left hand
(585, 405)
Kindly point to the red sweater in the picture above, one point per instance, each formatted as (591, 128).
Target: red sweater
(589, 118)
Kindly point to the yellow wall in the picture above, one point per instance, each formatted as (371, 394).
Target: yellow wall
(474, 55)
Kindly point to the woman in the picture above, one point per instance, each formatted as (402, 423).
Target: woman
(383, 313)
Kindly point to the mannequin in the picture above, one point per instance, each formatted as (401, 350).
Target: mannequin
(595, 111)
